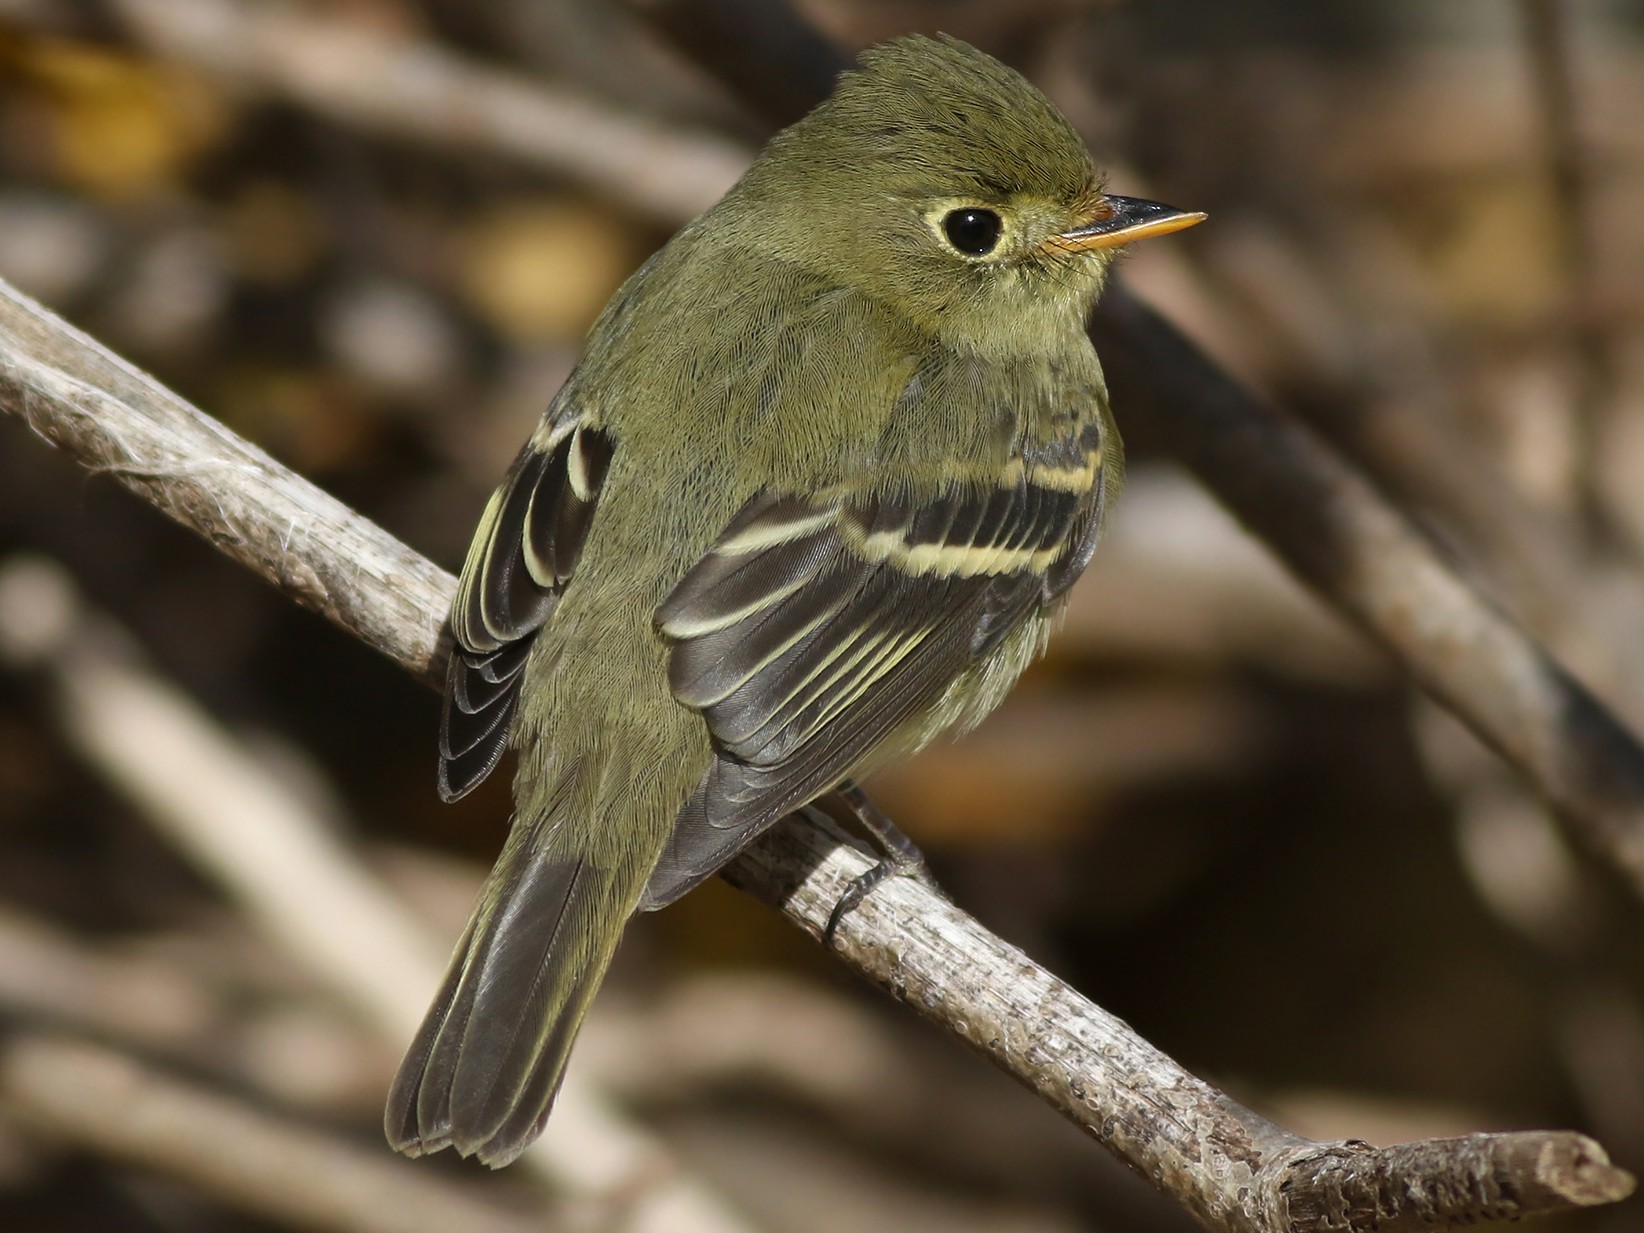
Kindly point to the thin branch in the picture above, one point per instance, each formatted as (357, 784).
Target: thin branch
(115, 420)
(116, 1105)
(1414, 1187)
(1232, 1169)
(1547, 36)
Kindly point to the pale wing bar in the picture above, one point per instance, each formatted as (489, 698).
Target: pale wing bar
(813, 630)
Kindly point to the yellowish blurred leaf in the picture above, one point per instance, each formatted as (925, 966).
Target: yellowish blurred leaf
(542, 270)
(119, 125)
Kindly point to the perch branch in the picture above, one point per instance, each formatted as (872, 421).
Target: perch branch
(115, 420)
(1232, 1169)
(1330, 526)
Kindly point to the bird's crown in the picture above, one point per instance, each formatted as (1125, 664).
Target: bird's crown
(919, 113)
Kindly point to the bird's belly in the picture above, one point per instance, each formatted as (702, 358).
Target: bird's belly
(971, 697)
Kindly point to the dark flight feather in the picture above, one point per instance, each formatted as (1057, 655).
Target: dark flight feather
(523, 556)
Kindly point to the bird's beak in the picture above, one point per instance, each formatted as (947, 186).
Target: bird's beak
(1123, 219)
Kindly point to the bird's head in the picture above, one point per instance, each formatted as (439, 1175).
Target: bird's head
(940, 180)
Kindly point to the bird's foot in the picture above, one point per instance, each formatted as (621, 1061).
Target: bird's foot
(902, 856)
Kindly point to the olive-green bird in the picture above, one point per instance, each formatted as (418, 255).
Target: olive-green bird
(813, 497)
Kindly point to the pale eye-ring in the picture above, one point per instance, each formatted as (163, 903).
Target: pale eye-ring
(973, 230)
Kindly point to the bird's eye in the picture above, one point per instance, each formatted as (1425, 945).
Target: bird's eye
(973, 231)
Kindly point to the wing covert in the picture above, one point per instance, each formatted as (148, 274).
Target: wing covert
(814, 628)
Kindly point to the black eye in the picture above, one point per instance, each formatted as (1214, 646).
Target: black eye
(973, 231)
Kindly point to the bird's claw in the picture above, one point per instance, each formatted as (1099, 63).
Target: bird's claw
(902, 858)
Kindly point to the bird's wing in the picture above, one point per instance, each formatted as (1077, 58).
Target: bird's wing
(815, 627)
(522, 555)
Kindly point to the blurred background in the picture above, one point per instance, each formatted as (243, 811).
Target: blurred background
(369, 235)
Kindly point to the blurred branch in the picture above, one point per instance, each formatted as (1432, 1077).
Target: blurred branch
(232, 817)
(1547, 44)
(1177, 581)
(361, 76)
(1406, 423)
(791, 70)
(1336, 532)
(1231, 1168)
(114, 1104)
(46, 974)
(236, 820)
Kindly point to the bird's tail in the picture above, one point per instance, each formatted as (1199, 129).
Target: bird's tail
(487, 1062)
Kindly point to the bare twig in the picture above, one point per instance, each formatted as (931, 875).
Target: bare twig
(118, 421)
(1234, 1170)
(114, 1104)
(1231, 1168)
(1415, 1187)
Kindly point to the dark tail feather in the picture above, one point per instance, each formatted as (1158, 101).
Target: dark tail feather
(488, 1060)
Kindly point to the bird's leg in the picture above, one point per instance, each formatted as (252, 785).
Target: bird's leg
(901, 855)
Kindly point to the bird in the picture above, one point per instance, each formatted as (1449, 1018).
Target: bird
(812, 497)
